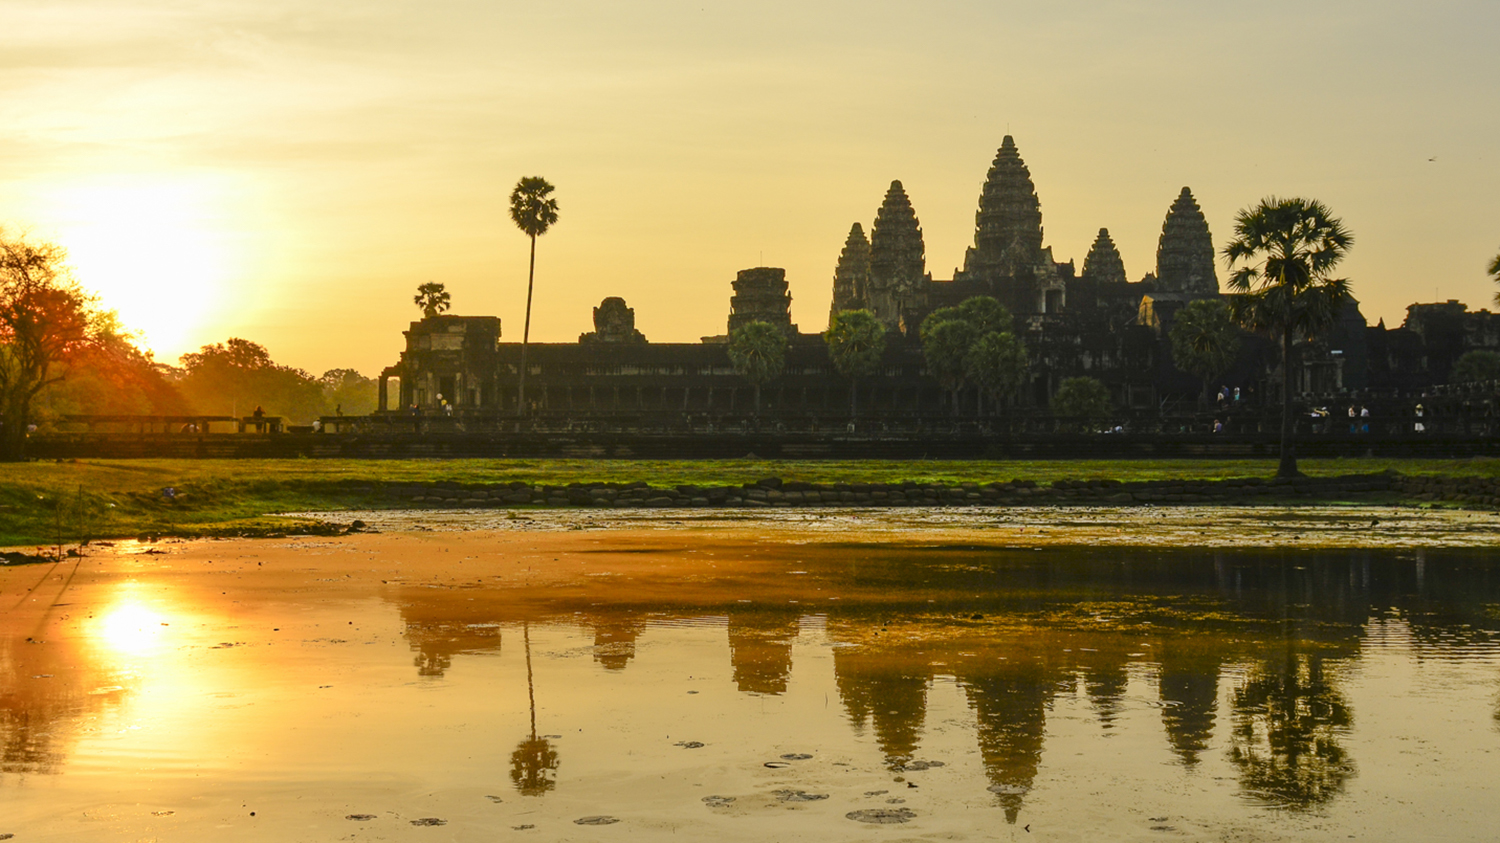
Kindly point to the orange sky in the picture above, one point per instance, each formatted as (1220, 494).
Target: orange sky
(289, 172)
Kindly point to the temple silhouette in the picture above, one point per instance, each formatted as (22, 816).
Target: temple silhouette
(1095, 322)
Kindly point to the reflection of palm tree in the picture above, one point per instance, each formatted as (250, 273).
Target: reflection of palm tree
(533, 765)
(1287, 721)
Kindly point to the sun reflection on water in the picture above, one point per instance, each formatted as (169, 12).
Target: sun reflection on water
(131, 628)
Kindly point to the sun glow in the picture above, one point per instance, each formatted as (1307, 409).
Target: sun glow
(158, 250)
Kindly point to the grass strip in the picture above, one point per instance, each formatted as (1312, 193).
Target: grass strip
(47, 503)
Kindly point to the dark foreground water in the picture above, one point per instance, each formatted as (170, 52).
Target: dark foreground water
(789, 692)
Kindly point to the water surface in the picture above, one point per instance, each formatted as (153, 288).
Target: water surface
(742, 688)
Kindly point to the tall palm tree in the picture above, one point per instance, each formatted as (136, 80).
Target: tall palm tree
(1286, 250)
(757, 350)
(533, 211)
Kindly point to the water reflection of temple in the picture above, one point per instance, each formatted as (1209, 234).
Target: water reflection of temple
(1248, 643)
(885, 690)
(1010, 701)
(760, 647)
(614, 639)
(1189, 687)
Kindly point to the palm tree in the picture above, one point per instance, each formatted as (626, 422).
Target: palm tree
(1494, 272)
(758, 352)
(1288, 249)
(533, 211)
(856, 342)
(432, 298)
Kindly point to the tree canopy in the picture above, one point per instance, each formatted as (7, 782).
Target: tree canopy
(1083, 399)
(432, 299)
(236, 376)
(1476, 365)
(856, 342)
(110, 377)
(974, 341)
(757, 351)
(1281, 261)
(532, 207)
(348, 392)
(1205, 340)
(46, 319)
(998, 362)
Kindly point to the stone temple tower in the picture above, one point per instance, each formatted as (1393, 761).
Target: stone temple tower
(1185, 253)
(898, 259)
(851, 278)
(1103, 264)
(760, 295)
(1008, 225)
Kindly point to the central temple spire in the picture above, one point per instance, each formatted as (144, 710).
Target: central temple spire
(898, 259)
(1008, 225)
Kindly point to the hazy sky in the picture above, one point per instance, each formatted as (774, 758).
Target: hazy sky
(289, 172)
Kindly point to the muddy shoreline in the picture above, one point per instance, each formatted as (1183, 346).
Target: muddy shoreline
(778, 492)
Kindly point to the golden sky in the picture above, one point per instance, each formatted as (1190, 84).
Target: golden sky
(289, 172)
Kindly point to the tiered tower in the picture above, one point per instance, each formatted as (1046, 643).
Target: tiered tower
(1104, 265)
(1008, 224)
(1185, 253)
(898, 259)
(760, 295)
(851, 278)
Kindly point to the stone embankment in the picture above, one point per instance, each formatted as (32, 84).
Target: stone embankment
(775, 492)
(1484, 491)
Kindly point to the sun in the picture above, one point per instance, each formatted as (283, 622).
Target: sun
(159, 250)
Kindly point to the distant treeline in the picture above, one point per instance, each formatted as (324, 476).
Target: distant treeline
(223, 379)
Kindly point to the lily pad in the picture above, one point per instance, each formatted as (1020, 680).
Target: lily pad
(429, 821)
(795, 756)
(882, 816)
(717, 801)
(597, 820)
(360, 818)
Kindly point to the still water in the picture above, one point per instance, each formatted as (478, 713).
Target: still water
(478, 687)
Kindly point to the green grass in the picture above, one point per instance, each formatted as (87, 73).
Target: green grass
(63, 502)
